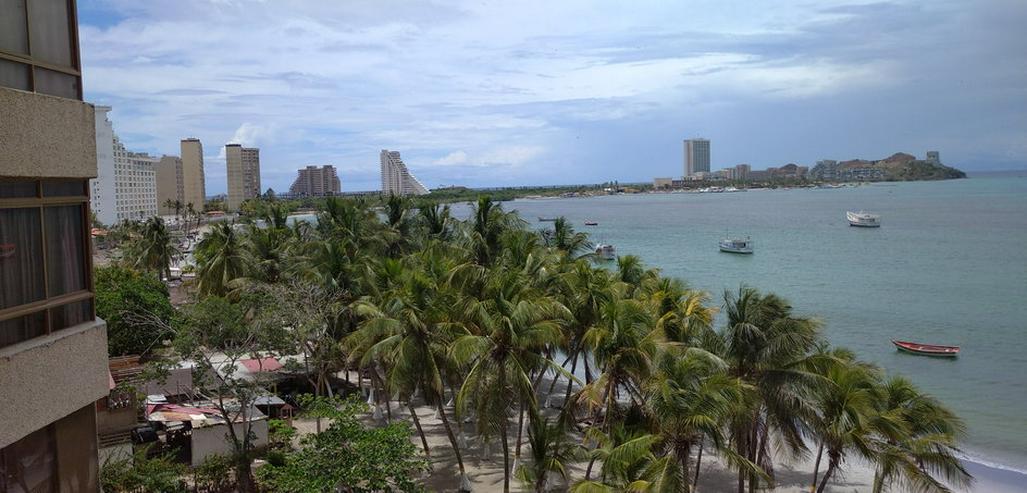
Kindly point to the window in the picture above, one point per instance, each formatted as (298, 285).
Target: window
(45, 267)
(39, 47)
(30, 464)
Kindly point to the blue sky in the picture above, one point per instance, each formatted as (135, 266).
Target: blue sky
(497, 93)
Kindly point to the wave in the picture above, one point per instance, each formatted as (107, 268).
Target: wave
(990, 462)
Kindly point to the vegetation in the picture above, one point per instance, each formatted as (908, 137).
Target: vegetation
(478, 318)
(136, 309)
(142, 474)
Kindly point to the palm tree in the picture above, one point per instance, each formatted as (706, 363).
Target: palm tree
(219, 260)
(552, 450)
(153, 250)
(766, 347)
(563, 238)
(511, 325)
(846, 410)
(409, 331)
(436, 221)
(925, 445)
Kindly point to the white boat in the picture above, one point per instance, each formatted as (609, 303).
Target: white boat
(736, 245)
(606, 252)
(863, 219)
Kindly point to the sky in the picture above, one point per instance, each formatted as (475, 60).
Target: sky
(510, 93)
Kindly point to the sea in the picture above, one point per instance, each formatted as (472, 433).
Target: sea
(947, 266)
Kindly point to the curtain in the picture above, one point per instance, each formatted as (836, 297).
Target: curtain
(21, 257)
(65, 258)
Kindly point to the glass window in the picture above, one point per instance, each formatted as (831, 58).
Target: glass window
(23, 328)
(64, 188)
(13, 37)
(30, 464)
(17, 189)
(65, 259)
(13, 74)
(21, 261)
(56, 83)
(51, 32)
(70, 315)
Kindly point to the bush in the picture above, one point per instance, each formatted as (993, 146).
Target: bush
(140, 474)
(136, 308)
(214, 475)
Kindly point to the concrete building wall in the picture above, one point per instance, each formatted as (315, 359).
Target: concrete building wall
(169, 184)
(697, 156)
(315, 182)
(243, 165)
(396, 178)
(194, 189)
(214, 440)
(46, 136)
(101, 198)
(47, 378)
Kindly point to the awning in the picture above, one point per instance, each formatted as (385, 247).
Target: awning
(262, 364)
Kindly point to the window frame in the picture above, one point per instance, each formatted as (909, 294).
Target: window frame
(74, 70)
(48, 303)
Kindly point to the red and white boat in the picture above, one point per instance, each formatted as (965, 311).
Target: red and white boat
(927, 349)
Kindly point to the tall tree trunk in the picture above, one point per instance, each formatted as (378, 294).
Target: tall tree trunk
(816, 466)
(753, 441)
(588, 372)
(683, 459)
(520, 435)
(503, 432)
(742, 451)
(698, 465)
(832, 464)
(878, 481)
(417, 424)
(557, 375)
(570, 381)
(456, 446)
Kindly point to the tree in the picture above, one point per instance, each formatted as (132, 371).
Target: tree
(142, 473)
(563, 238)
(152, 249)
(552, 451)
(348, 456)
(136, 308)
(219, 259)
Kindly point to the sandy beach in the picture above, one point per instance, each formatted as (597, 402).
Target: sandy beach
(484, 465)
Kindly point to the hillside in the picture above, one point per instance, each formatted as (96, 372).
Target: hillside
(897, 167)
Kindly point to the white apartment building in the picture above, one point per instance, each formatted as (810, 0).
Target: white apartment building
(697, 156)
(125, 187)
(396, 179)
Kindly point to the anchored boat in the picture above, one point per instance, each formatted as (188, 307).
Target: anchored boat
(736, 245)
(927, 349)
(591, 223)
(863, 219)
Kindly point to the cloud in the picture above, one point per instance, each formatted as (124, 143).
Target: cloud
(604, 88)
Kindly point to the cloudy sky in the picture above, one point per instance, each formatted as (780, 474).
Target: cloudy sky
(496, 93)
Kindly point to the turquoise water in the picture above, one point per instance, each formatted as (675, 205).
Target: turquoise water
(949, 266)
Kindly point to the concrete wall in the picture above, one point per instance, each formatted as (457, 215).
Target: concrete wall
(46, 136)
(47, 378)
(77, 466)
(214, 440)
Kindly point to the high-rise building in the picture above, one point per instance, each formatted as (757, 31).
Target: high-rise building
(396, 179)
(697, 156)
(316, 182)
(742, 171)
(194, 189)
(243, 174)
(934, 157)
(53, 349)
(169, 184)
(125, 186)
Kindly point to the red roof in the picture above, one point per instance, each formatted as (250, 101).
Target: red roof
(262, 364)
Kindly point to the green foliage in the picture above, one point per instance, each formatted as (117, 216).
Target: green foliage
(139, 474)
(136, 309)
(348, 453)
(280, 434)
(214, 475)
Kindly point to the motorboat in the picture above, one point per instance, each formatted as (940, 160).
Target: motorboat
(591, 223)
(605, 252)
(736, 245)
(863, 219)
(927, 349)
(546, 219)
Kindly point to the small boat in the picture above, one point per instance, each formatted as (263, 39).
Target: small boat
(591, 223)
(606, 252)
(546, 219)
(927, 349)
(863, 219)
(736, 245)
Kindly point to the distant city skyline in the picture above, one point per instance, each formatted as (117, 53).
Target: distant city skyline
(487, 95)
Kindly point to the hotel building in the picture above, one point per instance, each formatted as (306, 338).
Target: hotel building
(396, 179)
(194, 189)
(125, 188)
(697, 156)
(53, 349)
(169, 184)
(243, 174)
(316, 182)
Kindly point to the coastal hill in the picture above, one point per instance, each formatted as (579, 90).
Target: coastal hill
(897, 167)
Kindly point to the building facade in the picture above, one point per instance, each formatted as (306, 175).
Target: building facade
(396, 178)
(243, 174)
(742, 171)
(194, 185)
(697, 156)
(125, 187)
(53, 349)
(316, 182)
(170, 188)
(933, 157)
